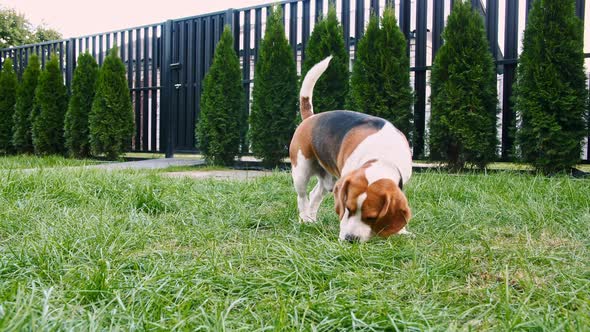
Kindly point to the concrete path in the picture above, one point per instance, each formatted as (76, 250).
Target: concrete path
(222, 175)
(149, 164)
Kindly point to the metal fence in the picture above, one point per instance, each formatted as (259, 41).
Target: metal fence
(166, 62)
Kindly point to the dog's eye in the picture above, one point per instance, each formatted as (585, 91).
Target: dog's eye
(370, 220)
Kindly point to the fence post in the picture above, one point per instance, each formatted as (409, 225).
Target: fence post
(166, 132)
(510, 55)
(70, 62)
(420, 79)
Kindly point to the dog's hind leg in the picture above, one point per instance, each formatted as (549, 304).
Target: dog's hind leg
(324, 186)
(301, 175)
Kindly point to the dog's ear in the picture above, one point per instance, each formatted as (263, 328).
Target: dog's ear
(397, 214)
(340, 196)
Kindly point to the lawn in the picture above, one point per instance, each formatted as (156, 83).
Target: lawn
(129, 250)
(23, 162)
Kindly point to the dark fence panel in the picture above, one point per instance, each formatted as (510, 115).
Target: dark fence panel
(167, 62)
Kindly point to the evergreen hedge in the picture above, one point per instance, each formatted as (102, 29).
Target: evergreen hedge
(25, 99)
(51, 102)
(219, 124)
(551, 94)
(76, 121)
(327, 38)
(464, 99)
(380, 82)
(8, 84)
(274, 104)
(111, 118)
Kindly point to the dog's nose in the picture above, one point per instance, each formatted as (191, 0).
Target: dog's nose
(351, 238)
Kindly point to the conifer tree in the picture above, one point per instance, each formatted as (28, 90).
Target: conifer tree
(8, 84)
(51, 102)
(380, 82)
(551, 94)
(327, 38)
(274, 104)
(76, 121)
(25, 99)
(111, 118)
(218, 127)
(463, 100)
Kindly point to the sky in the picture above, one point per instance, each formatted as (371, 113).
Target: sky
(75, 18)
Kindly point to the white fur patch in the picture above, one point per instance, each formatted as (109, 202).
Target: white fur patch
(353, 225)
(390, 148)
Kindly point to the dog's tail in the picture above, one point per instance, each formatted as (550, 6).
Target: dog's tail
(306, 93)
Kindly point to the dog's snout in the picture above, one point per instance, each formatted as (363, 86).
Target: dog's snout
(351, 238)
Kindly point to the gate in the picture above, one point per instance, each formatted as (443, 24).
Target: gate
(188, 48)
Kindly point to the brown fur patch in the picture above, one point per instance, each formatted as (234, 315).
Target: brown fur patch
(386, 208)
(305, 108)
(301, 141)
(350, 143)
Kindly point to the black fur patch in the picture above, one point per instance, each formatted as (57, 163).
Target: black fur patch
(331, 129)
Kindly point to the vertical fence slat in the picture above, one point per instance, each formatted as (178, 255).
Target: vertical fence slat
(199, 70)
(580, 8)
(420, 78)
(193, 109)
(404, 21)
(319, 10)
(437, 26)
(137, 86)
(246, 69)
(374, 7)
(208, 43)
(108, 42)
(183, 139)
(165, 97)
(100, 51)
(510, 53)
(257, 33)
(130, 58)
(145, 91)
(305, 29)
(345, 21)
(154, 89)
(293, 27)
(359, 22)
(492, 26)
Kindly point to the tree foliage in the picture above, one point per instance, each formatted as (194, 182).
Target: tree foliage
(51, 102)
(16, 30)
(219, 124)
(380, 82)
(25, 99)
(327, 38)
(76, 120)
(8, 83)
(274, 104)
(551, 94)
(464, 99)
(111, 118)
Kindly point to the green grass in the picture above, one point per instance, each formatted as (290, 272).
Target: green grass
(94, 250)
(26, 161)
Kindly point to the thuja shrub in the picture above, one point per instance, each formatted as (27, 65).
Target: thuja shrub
(25, 100)
(219, 124)
(327, 38)
(77, 138)
(274, 104)
(111, 117)
(464, 99)
(51, 102)
(380, 82)
(551, 94)
(8, 84)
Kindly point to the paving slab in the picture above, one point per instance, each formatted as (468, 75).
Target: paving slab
(224, 174)
(149, 164)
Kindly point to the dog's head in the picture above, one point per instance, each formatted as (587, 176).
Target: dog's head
(366, 210)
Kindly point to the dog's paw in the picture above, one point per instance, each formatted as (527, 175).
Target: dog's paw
(306, 219)
(405, 232)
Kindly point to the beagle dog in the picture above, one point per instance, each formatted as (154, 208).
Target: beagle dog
(370, 158)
